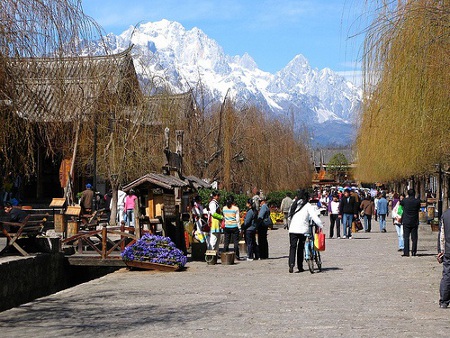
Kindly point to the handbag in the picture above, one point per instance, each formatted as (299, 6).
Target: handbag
(362, 213)
(222, 224)
(358, 224)
(319, 241)
(267, 221)
(206, 227)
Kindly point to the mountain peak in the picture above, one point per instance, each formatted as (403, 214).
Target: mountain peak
(246, 61)
(184, 58)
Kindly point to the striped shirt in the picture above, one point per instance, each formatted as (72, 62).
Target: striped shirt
(231, 216)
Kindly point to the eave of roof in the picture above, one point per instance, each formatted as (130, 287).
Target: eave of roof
(160, 180)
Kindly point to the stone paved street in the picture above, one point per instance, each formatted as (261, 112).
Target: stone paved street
(366, 290)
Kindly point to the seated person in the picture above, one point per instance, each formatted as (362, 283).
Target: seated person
(15, 214)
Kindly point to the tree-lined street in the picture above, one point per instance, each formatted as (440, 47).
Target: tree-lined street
(366, 290)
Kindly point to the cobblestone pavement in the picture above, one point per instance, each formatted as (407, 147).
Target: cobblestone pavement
(366, 290)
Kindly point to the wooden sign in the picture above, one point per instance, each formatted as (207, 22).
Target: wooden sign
(73, 210)
(58, 202)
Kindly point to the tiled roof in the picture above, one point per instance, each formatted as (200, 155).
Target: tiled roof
(48, 89)
(163, 181)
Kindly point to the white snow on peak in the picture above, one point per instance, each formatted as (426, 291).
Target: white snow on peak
(187, 57)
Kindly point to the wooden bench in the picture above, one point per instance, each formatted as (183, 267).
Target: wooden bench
(31, 226)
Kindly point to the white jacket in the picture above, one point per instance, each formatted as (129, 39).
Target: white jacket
(300, 220)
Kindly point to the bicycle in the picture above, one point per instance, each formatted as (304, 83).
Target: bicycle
(311, 254)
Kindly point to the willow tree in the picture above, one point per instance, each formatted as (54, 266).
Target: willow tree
(29, 29)
(405, 115)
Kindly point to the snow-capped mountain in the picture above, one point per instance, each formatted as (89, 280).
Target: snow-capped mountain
(185, 58)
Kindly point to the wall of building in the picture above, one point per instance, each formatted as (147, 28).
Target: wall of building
(23, 279)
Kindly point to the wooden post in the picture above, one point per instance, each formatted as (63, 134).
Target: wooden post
(104, 242)
(137, 225)
(122, 243)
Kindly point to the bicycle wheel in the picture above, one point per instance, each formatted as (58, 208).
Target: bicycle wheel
(318, 260)
(310, 259)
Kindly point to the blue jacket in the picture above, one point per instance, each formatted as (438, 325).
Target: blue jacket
(382, 206)
(250, 220)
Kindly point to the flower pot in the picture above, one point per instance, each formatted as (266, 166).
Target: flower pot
(151, 266)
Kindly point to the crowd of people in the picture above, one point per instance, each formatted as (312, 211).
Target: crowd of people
(213, 221)
(348, 206)
(344, 207)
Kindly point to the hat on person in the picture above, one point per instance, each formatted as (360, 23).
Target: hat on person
(88, 186)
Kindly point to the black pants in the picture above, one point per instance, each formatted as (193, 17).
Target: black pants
(369, 222)
(334, 220)
(231, 232)
(262, 242)
(252, 247)
(444, 289)
(410, 231)
(297, 245)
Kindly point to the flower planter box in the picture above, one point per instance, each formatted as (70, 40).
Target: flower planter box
(151, 266)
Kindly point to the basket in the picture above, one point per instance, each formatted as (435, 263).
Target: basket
(227, 258)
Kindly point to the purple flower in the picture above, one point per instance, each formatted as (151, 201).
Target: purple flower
(155, 249)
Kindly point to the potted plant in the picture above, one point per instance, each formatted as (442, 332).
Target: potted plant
(154, 252)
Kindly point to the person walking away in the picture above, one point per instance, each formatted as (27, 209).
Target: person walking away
(129, 205)
(303, 211)
(397, 213)
(86, 201)
(382, 210)
(214, 207)
(232, 225)
(249, 229)
(285, 207)
(263, 244)
(410, 219)
(444, 257)
(334, 217)
(367, 209)
(348, 210)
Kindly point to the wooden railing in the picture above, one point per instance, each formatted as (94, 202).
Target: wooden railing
(85, 239)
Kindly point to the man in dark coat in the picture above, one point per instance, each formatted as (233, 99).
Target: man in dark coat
(348, 210)
(444, 257)
(410, 220)
(86, 201)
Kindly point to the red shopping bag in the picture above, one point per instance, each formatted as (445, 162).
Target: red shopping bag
(319, 240)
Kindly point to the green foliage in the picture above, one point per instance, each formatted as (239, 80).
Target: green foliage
(338, 163)
(240, 199)
(274, 198)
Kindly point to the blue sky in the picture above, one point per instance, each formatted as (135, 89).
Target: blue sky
(271, 31)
